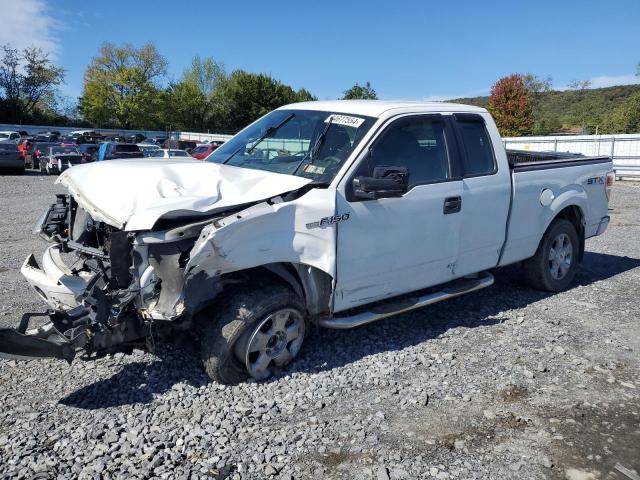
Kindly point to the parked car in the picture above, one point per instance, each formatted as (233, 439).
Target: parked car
(10, 157)
(76, 139)
(158, 140)
(35, 151)
(89, 151)
(50, 137)
(9, 136)
(148, 149)
(166, 153)
(58, 158)
(186, 145)
(135, 138)
(203, 151)
(83, 133)
(411, 203)
(68, 141)
(23, 133)
(115, 150)
(114, 138)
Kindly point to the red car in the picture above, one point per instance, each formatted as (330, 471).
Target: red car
(203, 151)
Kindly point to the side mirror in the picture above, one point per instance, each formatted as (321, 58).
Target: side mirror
(386, 182)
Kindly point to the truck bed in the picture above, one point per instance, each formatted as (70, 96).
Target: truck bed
(525, 160)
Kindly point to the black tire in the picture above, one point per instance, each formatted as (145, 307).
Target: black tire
(224, 324)
(537, 270)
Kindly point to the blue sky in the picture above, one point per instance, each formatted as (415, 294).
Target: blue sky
(407, 49)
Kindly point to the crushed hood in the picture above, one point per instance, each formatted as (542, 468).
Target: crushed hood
(134, 194)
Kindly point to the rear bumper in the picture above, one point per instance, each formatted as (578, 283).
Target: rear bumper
(54, 282)
(602, 226)
(596, 228)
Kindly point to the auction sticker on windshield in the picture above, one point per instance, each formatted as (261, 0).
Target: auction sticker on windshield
(345, 120)
(314, 169)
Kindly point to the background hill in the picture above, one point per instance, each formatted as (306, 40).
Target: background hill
(556, 111)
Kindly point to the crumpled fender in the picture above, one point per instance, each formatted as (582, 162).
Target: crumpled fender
(268, 233)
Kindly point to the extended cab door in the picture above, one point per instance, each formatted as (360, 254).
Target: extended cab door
(390, 246)
(486, 190)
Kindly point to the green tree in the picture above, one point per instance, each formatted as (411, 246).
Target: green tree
(535, 84)
(360, 92)
(121, 86)
(625, 118)
(510, 106)
(193, 101)
(27, 79)
(579, 84)
(244, 97)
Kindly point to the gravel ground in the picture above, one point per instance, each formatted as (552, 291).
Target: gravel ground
(506, 382)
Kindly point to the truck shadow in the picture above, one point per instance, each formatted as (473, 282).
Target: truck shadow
(140, 382)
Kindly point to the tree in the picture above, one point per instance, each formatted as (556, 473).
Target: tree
(27, 78)
(360, 92)
(244, 97)
(535, 84)
(625, 118)
(579, 84)
(121, 86)
(510, 106)
(192, 101)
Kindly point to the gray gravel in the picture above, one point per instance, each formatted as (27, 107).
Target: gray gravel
(503, 383)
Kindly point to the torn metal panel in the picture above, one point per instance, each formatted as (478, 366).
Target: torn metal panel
(270, 232)
(171, 189)
(54, 282)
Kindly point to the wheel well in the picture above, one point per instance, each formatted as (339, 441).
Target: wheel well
(574, 214)
(311, 284)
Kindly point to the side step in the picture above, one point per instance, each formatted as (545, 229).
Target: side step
(385, 310)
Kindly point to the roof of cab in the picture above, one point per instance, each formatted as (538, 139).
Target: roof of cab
(377, 108)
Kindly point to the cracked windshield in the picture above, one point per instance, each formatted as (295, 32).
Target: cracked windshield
(305, 143)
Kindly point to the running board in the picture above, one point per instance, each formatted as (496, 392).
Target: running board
(385, 310)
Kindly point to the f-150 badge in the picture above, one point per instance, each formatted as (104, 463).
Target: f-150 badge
(326, 221)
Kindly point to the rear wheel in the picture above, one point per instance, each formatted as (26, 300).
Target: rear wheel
(553, 266)
(253, 333)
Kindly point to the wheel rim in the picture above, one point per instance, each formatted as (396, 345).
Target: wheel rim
(560, 256)
(274, 342)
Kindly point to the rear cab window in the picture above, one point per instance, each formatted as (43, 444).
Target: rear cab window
(475, 145)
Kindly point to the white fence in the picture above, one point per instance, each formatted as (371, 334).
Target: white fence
(623, 148)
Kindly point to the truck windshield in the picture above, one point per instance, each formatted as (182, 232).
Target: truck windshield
(305, 143)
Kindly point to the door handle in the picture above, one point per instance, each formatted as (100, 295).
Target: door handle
(452, 205)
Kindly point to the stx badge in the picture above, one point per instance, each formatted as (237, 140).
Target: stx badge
(328, 221)
(595, 180)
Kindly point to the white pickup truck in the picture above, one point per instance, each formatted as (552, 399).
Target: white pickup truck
(334, 213)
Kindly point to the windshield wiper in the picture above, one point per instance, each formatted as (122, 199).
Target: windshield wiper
(316, 146)
(269, 132)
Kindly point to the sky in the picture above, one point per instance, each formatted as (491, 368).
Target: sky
(407, 49)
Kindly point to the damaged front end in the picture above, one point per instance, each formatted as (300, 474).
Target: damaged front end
(113, 289)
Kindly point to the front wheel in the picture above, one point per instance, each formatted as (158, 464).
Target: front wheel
(254, 333)
(553, 266)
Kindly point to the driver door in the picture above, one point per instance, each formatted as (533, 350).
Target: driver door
(391, 246)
